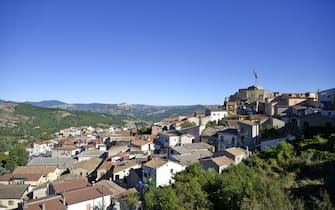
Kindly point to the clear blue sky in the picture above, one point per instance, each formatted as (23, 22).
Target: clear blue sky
(163, 52)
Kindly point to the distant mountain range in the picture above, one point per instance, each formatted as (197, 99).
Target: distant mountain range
(145, 112)
(28, 122)
(47, 104)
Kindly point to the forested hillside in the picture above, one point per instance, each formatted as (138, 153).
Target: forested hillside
(289, 176)
(27, 122)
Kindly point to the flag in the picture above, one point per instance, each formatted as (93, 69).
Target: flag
(255, 74)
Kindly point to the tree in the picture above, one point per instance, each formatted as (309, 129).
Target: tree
(210, 124)
(160, 198)
(18, 156)
(188, 124)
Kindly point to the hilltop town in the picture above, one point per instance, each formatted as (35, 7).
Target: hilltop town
(89, 167)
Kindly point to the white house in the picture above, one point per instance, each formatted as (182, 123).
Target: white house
(87, 198)
(218, 164)
(273, 141)
(161, 171)
(121, 171)
(142, 146)
(43, 147)
(216, 114)
(169, 138)
(86, 155)
(236, 154)
(59, 152)
(12, 196)
(186, 139)
(249, 133)
(227, 138)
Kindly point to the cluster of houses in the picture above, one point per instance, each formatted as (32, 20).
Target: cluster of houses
(88, 168)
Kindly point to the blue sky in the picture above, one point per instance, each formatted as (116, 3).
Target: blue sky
(163, 52)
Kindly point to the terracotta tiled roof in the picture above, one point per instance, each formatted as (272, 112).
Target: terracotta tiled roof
(115, 147)
(155, 163)
(125, 133)
(14, 191)
(65, 186)
(108, 163)
(232, 123)
(222, 161)
(64, 148)
(6, 177)
(259, 117)
(127, 164)
(83, 194)
(140, 142)
(28, 177)
(236, 151)
(99, 189)
(248, 122)
(54, 202)
(112, 187)
(45, 170)
(153, 137)
(44, 142)
(89, 165)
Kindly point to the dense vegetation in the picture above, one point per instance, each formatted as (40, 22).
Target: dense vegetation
(17, 156)
(36, 123)
(289, 176)
(145, 112)
(188, 124)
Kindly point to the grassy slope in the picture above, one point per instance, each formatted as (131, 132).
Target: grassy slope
(33, 122)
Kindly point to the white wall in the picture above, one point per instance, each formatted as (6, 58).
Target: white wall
(168, 141)
(186, 139)
(163, 174)
(225, 140)
(218, 115)
(95, 202)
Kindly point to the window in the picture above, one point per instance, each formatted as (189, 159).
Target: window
(10, 203)
(171, 170)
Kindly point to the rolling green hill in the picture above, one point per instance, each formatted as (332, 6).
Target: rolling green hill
(145, 112)
(28, 123)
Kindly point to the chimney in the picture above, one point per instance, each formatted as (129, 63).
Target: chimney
(64, 201)
(43, 206)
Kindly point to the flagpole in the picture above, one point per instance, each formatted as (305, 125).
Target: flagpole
(256, 77)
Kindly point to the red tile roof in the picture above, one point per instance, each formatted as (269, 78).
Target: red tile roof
(44, 142)
(222, 161)
(65, 186)
(140, 142)
(80, 195)
(54, 202)
(155, 163)
(64, 148)
(45, 170)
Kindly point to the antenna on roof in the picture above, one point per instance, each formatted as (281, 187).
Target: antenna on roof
(256, 77)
